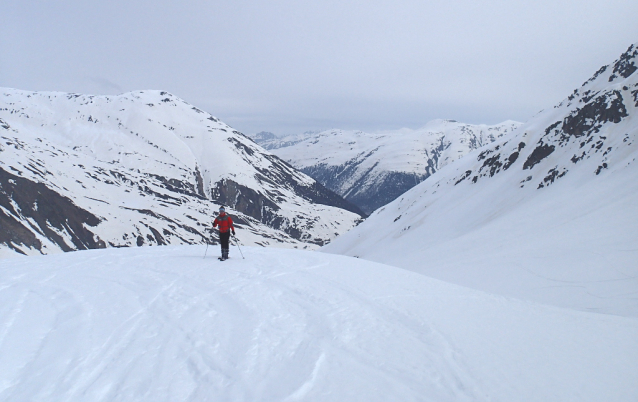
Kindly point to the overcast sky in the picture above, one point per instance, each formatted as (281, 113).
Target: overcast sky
(293, 65)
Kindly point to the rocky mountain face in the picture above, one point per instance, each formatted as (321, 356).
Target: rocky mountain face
(371, 170)
(548, 212)
(145, 168)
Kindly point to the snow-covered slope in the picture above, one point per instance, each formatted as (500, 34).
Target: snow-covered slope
(371, 170)
(145, 167)
(164, 324)
(548, 213)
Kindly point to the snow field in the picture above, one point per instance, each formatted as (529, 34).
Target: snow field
(162, 323)
(572, 246)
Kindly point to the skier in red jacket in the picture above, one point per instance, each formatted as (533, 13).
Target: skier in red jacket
(225, 223)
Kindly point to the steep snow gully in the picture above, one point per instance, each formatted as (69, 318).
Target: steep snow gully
(165, 324)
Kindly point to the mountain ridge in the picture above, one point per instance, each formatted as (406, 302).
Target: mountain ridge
(152, 169)
(372, 169)
(524, 209)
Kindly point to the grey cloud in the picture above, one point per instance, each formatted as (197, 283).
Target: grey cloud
(280, 66)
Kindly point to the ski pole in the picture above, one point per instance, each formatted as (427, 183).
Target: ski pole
(206, 249)
(237, 244)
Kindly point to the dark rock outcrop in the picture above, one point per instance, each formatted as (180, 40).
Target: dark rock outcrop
(45, 211)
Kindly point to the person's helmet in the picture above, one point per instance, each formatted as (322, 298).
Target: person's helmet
(222, 209)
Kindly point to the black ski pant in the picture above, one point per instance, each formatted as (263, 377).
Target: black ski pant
(224, 238)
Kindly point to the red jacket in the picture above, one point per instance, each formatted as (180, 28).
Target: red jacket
(225, 223)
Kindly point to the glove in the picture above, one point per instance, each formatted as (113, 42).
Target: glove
(233, 233)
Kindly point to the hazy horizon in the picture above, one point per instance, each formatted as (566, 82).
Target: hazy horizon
(290, 66)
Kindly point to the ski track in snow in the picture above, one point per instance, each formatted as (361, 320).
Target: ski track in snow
(162, 323)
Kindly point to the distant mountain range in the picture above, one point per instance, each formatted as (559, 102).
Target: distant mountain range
(79, 171)
(371, 170)
(547, 213)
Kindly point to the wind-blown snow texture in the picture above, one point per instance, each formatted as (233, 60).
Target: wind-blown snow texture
(548, 213)
(81, 172)
(371, 170)
(164, 324)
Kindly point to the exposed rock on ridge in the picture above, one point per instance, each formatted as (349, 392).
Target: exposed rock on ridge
(151, 169)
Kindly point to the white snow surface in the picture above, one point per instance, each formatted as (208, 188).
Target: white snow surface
(165, 324)
(561, 232)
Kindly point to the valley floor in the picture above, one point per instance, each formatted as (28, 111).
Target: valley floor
(163, 323)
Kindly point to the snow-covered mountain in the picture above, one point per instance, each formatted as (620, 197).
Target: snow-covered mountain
(164, 324)
(146, 167)
(548, 213)
(371, 170)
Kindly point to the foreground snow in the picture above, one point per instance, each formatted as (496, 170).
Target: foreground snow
(162, 323)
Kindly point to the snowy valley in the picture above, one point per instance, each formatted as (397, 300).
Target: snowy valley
(507, 274)
(370, 170)
(548, 213)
